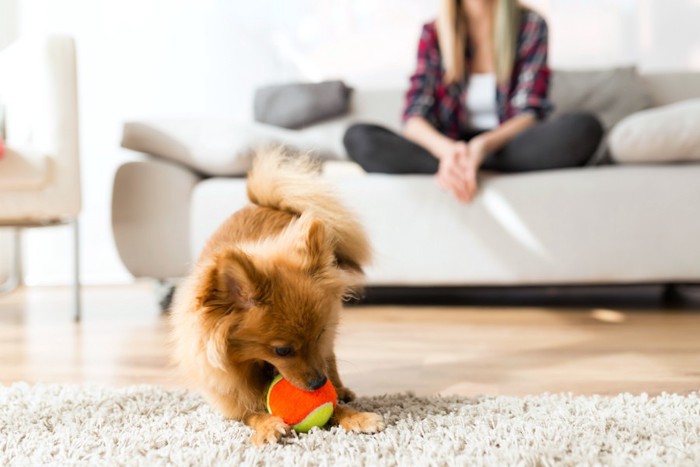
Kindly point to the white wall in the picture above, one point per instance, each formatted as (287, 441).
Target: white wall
(655, 35)
(8, 21)
(204, 58)
(669, 34)
(594, 33)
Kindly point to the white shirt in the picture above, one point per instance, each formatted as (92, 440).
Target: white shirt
(481, 101)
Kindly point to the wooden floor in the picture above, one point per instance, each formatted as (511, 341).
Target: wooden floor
(428, 350)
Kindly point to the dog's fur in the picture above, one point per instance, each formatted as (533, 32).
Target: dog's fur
(272, 276)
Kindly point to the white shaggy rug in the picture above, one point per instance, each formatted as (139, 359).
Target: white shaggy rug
(90, 425)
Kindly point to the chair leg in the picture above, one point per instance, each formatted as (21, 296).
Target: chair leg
(166, 292)
(76, 271)
(15, 278)
(19, 264)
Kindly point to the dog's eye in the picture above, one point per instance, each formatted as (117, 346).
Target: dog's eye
(283, 351)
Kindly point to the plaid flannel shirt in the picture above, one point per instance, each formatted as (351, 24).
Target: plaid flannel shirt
(444, 106)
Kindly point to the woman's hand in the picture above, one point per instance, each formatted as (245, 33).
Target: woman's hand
(459, 165)
(478, 149)
(457, 170)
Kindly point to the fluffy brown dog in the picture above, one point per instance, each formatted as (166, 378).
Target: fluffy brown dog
(265, 295)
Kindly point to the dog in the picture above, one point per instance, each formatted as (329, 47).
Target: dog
(264, 297)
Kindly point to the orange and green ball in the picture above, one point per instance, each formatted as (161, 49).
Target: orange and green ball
(300, 409)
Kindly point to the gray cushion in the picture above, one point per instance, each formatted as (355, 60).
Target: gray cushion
(300, 104)
(611, 94)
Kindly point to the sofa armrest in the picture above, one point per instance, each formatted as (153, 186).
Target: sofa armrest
(223, 148)
(151, 218)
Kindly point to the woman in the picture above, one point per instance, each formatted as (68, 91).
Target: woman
(478, 99)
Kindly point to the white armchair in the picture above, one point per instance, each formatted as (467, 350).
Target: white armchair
(40, 171)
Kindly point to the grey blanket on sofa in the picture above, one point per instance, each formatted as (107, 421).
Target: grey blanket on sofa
(297, 105)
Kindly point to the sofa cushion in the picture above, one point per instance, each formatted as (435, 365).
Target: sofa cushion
(663, 134)
(296, 105)
(224, 147)
(516, 232)
(23, 170)
(611, 94)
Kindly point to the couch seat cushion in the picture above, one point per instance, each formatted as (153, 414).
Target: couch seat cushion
(573, 226)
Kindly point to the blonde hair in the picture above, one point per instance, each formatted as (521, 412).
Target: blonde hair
(452, 38)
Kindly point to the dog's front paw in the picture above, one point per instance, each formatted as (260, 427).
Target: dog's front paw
(270, 431)
(345, 394)
(361, 422)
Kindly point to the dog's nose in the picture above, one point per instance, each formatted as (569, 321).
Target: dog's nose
(317, 382)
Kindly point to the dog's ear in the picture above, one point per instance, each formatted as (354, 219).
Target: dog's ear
(233, 282)
(318, 247)
(315, 245)
(340, 273)
(320, 252)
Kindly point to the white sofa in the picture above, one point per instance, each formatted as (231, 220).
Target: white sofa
(611, 224)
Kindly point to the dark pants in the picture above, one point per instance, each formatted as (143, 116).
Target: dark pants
(566, 141)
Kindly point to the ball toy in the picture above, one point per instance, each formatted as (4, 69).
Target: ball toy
(301, 409)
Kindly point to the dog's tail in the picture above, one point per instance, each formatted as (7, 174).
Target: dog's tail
(291, 183)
